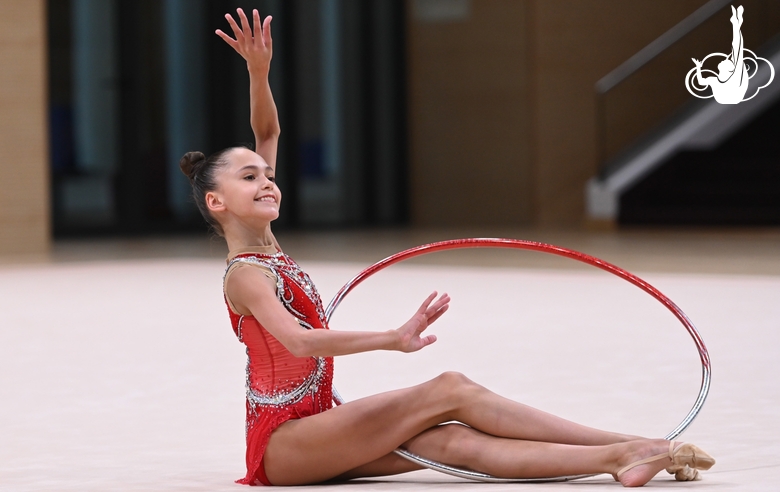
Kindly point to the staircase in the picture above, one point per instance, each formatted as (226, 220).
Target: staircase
(708, 164)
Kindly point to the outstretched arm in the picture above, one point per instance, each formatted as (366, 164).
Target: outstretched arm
(253, 293)
(255, 46)
(701, 80)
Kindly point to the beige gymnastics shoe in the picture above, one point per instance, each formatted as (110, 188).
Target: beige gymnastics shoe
(689, 460)
(684, 474)
(686, 459)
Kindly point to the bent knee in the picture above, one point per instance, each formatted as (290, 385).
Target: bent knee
(454, 383)
(452, 379)
(451, 388)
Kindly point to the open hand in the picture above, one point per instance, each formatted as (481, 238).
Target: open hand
(409, 333)
(255, 47)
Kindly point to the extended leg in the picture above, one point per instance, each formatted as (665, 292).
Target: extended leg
(736, 34)
(465, 447)
(493, 414)
(329, 444)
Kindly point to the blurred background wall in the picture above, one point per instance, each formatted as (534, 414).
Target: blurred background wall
(504, 124)
(414, 112)
(24, 162)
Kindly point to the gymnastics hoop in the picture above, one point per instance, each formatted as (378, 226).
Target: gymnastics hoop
(544, 248)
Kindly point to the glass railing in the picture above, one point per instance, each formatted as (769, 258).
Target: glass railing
(639, 96)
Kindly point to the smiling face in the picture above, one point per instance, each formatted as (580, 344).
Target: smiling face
(246, 191)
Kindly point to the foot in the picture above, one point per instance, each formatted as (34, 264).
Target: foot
(736, 15)
(688, 458)
(644, 461)
(684, 474)
(638, 451)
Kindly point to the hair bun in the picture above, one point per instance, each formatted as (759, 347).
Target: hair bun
(191, 163)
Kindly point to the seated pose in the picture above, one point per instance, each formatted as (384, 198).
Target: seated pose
(294, 435)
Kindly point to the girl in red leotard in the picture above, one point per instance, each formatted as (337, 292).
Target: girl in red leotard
(294, 435)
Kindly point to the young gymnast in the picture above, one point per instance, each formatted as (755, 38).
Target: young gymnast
(294, 435)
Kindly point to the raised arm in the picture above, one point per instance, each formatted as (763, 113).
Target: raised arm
(701, 80)
(256, 47)
(253, 293)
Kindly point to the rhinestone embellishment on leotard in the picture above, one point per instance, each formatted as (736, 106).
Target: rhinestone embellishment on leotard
(280, 261)
(276, 262)
(280, 398)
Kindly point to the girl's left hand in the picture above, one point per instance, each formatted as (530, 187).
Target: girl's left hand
(409, 333)
(255, 48)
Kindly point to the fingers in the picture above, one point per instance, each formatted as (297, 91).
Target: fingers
(442, 301)
(428, 313)
(256, 23)
(245, 24)
(247, 35)
(427, 340)
(432, 311)
(426, 303)
(431, 314)
(236, 30)
(230, 41)
(437, 314)
(267, 31)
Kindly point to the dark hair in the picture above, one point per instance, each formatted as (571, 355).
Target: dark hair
(202, 172)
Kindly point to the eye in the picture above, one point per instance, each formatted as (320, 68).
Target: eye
(249, 177)
(272, 179)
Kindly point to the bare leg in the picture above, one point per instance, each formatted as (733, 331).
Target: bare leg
(498, 416)
(463, 446)
(389, 464)
(736, 35)
(329, 444)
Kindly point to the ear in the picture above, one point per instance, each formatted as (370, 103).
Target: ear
(214, 202)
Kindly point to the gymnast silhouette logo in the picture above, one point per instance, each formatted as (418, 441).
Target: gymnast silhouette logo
(730, 84)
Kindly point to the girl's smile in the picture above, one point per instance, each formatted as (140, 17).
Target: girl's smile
(247, 191)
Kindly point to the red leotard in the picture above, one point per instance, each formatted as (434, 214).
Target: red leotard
(279, 386)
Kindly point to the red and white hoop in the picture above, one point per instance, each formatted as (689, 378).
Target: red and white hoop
(544, 248)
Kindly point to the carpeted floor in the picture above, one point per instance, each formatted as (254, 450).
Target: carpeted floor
(125, 375)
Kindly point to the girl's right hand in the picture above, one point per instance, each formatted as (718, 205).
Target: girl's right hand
(409, 339)
(255, 48)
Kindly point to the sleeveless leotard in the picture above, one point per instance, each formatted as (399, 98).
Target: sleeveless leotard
(279, 386)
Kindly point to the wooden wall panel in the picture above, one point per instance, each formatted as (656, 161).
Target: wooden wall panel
(575, 44)
(502, 105)
(24, 186)
(469, 116)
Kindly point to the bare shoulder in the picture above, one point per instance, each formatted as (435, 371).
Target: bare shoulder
(247, 286)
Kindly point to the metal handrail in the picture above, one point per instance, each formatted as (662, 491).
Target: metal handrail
(659, 45)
